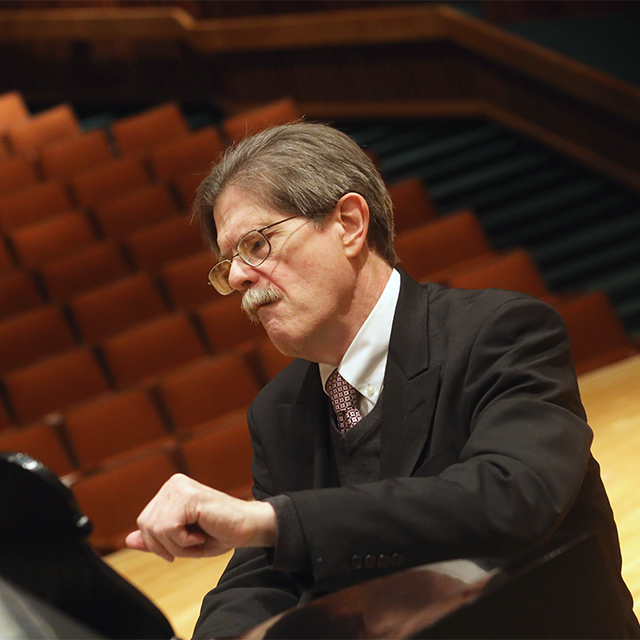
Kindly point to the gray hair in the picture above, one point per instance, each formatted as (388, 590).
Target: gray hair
(300, 168)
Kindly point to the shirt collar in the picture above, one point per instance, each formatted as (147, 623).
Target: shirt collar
(364, 362)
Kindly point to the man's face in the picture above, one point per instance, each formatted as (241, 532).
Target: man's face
(307, 270)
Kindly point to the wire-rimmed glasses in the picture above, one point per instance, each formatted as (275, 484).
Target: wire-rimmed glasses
(253, 248)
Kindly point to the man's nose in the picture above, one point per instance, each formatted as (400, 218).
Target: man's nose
(241, 275)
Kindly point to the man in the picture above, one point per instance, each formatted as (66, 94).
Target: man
(464, 438)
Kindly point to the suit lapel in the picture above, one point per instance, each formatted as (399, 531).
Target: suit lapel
(305, 436)
(410, 385)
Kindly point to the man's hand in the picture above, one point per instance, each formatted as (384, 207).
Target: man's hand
(189, 519)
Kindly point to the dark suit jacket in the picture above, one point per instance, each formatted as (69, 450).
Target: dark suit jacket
(484, 453)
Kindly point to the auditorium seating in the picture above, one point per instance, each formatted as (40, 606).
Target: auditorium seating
(247, 123)
(52, 238)
(207, 390)
(108, 180)
(147, 205)
(40, 442)
(104, 311)
(222, 458)
(114, 498)
(145, 130)
(188, 154)
(34, 335)
(32, 204)
(441, 243)
(186, 280)
(82, 270)
(15, 174)
(151, 348)
(66, 157)
(30, 136)
(54, 384)
(110, 331)
(115, 424)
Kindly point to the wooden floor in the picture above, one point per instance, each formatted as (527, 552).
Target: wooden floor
(611, 397)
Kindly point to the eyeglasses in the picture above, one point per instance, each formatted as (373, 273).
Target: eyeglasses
(253, 248)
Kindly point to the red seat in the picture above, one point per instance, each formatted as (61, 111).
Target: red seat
(152, 348)
(114, 498)
(15, 174)
(245, 124)
(412, 205)
(117, 306)
(114, 424)
(273, 362)
(596, 333)
(160, 243)
(441, 243)
(135, 210)
(186, 280)
(29, 136)
(187, 186)
(13, 110)
(66, 157)
(108, 180)
(514, 271)
(227, 326)
(32, 204)
(18, 293)
(6, 259)
(34, 335)
(222, 459)
(192, 153)
(52, 238)
(5, 418)
(54, 384)
(39, 442)
(149, 128)
(207, 389)
(83, 270)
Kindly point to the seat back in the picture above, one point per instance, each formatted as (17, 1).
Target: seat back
(245, 124)
(66, 157)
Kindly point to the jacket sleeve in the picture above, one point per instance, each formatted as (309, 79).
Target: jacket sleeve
(250, 590)
(520, 468)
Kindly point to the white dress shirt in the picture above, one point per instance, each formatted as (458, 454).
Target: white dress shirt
(365, 361)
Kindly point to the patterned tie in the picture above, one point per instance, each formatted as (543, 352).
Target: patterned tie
(344, 399)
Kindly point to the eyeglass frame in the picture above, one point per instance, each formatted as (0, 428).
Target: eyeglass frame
(261, 231)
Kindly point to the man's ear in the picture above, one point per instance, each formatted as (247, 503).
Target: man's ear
(352, 215)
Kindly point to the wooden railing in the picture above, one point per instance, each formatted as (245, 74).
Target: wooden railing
(404, 61)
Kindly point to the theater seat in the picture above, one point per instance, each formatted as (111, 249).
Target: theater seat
(151, 349)
(13, 110)
(273, 362)
(54, 384)
(148, 205)
(34, 335)
(53, 238)
(514, 271)
(117, 306)
(115, 424)
(40, 442)
(29, 136)
(222, 459)
(108, 180)
(32, 204)
(245, 124)
(206, 390)
(83, 270)
(15, 174)
(186, 280)
(412, 205)
(441, 243)
(114, 498)
(18, 293)
(147, 129)
(187, 185)
(66, 157)
(188, 154)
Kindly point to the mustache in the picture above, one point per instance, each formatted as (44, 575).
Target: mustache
(255, 297)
